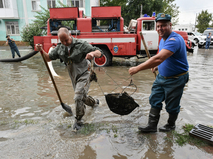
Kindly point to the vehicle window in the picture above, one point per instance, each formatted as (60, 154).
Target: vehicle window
(198, 34)
(206, 32)
(148, 25)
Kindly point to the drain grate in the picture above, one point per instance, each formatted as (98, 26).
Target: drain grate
(202, 132)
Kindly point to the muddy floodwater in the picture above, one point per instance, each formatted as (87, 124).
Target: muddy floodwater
(33, 124)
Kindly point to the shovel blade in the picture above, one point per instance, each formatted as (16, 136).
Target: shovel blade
(67, 108)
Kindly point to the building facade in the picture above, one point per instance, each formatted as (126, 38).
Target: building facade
(185, 27)
(15, 14)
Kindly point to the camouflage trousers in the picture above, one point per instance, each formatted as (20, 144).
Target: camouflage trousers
(81, 87)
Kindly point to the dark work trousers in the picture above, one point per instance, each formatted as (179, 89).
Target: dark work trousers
(13, 50)
(168, 90)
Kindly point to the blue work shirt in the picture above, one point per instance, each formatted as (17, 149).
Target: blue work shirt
(177, 63)
(12, 44)
(208, 39)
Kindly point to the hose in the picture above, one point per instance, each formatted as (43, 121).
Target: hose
(20, 58)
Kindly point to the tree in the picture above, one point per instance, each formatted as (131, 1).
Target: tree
(131, 9)
(42, 17)
(113, 2)
(29, 31)
(35, 28)
(203, 20)
(169, 7)
(38, 27)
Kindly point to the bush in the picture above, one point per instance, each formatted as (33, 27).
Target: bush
(29, 31)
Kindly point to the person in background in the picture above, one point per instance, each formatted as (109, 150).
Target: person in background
(75, 54)
(172, 64)
(208, 40)
(13, 46)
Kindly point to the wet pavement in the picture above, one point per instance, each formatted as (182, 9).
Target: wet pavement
(33, 124)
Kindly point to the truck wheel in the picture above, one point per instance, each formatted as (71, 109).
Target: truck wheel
(196, 40)
(105, 60)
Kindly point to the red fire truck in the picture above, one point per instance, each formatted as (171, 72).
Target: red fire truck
(104, 29)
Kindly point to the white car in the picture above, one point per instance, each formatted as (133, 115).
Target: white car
(202, 41)
(194, 36)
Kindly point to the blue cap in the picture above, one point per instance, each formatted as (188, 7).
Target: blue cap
(162, 16)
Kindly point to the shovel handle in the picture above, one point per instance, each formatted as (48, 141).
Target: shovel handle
(51, 76)
(147, 51)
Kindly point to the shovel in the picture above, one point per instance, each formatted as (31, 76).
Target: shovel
(64, 106)
(146, 49)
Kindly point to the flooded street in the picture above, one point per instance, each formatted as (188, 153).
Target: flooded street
(34, 125)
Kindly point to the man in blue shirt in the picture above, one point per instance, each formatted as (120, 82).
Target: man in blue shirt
(13, 46)
(208, 40)
(172, 64)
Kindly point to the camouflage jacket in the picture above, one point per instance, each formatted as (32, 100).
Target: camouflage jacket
(75, 58)
(77, 53)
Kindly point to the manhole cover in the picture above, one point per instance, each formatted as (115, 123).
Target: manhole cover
(202, 132)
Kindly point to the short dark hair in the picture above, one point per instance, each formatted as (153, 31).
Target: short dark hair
(7, 36)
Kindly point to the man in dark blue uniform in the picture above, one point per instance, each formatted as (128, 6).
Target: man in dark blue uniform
(13, 46)
(172, 64)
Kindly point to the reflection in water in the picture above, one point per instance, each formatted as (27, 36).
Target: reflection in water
(88, 153)
(27, 93)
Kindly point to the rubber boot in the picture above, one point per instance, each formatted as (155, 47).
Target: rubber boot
(170, 123)
(78, 123)
(154, 116)
(80, 111)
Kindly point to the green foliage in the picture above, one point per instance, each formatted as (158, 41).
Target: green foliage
(203, 20)
(114, 129)
(115, 135)
(184, 138)
(34, 29)
(66, 23)
(42, 17)
(18, 123)
(131, 9)
(29, 31)
(169, 7)
(181, 139)
(113, 2)
(88, 129)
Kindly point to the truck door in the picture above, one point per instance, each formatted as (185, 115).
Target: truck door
(150, 35)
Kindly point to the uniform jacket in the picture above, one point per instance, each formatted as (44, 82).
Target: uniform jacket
(75, 58)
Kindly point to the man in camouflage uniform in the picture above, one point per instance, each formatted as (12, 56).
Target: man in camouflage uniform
(76, 55)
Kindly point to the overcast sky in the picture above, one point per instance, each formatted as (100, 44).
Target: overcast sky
(189, 8)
